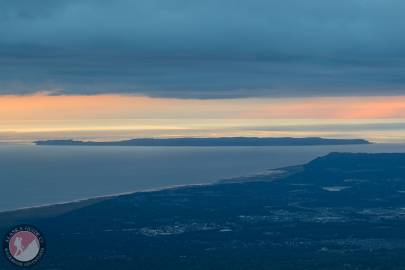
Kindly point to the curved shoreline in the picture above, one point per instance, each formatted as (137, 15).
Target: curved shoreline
(103, 197)
(157, 189)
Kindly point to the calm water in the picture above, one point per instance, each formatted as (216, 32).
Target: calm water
(33, 175)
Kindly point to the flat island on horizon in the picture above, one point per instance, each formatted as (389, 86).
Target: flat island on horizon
(223, 141)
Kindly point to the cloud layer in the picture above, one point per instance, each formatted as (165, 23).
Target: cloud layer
(203, 49)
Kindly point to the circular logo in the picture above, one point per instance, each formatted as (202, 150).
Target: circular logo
(24, 245)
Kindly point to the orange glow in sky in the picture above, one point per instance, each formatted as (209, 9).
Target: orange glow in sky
(45, 107)
(187, 117)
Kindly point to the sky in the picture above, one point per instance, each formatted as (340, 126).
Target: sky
(99, 69)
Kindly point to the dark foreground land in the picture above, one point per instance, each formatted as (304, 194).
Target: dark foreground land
(342, 211)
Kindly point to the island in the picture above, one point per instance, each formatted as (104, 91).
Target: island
(339, 211)
(223, 141)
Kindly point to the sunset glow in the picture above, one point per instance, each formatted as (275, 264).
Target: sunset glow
(47, 107)
(138, 116)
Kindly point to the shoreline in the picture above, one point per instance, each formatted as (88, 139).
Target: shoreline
(275, 172)
(19, 215)
(103, 197)
(93, 199)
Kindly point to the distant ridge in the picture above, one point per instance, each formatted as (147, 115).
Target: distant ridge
(224, 141)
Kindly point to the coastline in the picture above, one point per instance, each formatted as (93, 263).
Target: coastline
(275, 172)
(104, 197)
(12, 216)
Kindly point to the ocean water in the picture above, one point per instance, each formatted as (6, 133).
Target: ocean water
(36, 175)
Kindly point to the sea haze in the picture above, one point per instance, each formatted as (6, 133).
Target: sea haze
(35, 175)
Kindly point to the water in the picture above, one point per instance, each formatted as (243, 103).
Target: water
(35, 175)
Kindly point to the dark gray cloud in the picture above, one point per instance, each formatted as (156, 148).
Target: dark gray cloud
(203, 49)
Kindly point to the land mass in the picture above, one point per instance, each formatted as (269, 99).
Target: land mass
(224, 141)
(340, 211)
